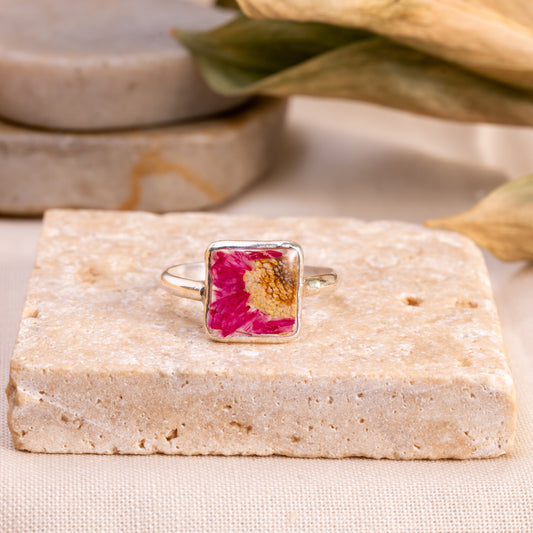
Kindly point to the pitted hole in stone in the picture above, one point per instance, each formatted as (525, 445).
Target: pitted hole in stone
(361, 421)
(411, 300)
(64, 419)
(416, 446)
(227, 408)
(294, 438)
(461, 302)
(142, 444)
(172, 434)
(89, 274)
(310, 428)
(23, 433)
(31, 312)
(472, 395)
(360, 395)
(240, 427)
(330, 399)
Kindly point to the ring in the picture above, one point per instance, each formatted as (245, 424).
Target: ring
(251, 290)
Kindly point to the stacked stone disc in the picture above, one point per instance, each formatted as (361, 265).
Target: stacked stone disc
(102, 108)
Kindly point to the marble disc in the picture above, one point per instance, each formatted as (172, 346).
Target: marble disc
(102, 64)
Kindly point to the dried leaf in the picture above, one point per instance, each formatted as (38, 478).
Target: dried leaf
(490, 37)
(502, 222)
(284, 58)
(251, 50)
(228, 4)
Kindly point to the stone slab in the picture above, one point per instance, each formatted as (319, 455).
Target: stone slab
(185, 166)
(88, 65)
(403, 360)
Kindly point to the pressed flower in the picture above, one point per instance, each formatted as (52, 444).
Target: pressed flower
(253, 292)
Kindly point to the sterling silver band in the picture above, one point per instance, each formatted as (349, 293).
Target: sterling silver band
(188, 280)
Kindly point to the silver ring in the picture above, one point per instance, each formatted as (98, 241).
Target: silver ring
(251, 290)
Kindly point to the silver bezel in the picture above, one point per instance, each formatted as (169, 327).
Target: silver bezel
(258, 245)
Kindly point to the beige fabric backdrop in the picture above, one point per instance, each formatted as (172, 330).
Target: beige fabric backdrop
(338, 159)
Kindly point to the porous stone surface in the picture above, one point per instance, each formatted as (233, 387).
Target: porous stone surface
(102, 65)
(404, 359)
(185, 166)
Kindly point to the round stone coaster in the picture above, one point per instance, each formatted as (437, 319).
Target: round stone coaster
(88, 65)
(179, 167)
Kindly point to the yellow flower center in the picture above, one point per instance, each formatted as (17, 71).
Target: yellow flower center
(272, 287)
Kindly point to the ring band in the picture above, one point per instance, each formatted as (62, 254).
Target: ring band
(251, 290)
(186, 280)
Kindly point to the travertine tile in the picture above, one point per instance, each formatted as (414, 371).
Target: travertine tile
(404, 359)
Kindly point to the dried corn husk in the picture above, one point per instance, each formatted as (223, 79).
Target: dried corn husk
(491, 37)
(502, 222)
(284, 58)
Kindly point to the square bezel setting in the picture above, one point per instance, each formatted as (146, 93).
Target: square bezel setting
(253, 291)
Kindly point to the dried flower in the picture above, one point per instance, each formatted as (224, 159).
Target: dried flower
(253, 292)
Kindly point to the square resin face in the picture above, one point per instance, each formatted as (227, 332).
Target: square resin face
(254, 291)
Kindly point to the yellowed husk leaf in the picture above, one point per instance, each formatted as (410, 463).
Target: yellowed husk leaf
(244, 57)
(502, 222)
(491, 37)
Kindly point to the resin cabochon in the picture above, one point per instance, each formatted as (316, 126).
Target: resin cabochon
(253, 290)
